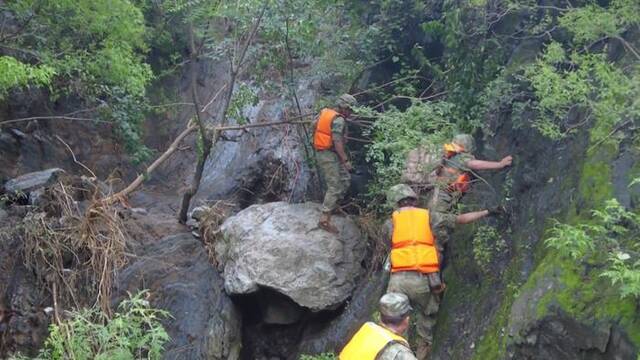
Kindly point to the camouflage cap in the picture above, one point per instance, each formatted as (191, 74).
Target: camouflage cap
(394, 305)
(399, 192)
(466, 141)
(347, 100)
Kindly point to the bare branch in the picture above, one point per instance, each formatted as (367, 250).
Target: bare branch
(59, 117)
(249, 126)
(74, 157)
(140, 179)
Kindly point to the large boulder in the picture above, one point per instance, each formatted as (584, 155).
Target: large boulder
(205, 323)
(280, 247)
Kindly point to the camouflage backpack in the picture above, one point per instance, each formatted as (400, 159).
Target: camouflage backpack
(421, 166)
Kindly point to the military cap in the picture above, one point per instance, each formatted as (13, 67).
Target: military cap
(466, 141)
(394, 305)
(399, 192)
(347, 100)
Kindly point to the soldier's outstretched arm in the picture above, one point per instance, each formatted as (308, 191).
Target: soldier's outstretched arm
(470, 217)
(489, 165)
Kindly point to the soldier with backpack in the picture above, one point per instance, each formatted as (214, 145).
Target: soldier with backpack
(444, 177)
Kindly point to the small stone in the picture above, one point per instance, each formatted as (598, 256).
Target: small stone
(139, 211)
(196, 234)
(473, 345)
(48, 310)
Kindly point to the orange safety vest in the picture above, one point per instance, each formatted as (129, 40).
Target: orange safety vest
(462, 180)
(413, 246)
(322, 138)
(369, 341)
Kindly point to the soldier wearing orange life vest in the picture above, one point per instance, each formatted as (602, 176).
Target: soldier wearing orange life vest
(415, 259)
(454, 175)
(329, 141)
(384, 341)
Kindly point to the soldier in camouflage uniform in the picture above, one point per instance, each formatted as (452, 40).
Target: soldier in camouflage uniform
(334, 165)
(384, 341)
(454, 179)
(421, 281)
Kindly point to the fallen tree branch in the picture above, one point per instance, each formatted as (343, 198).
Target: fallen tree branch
(60, 117)
(256, 125)
(134, 185)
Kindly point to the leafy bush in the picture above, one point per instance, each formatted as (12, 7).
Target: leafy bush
(609, 240)
(396, 132)
(625, 272)
(487, 243)
(135, 332)
(570, 240)
(576, 82)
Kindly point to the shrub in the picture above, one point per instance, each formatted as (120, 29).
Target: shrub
(134, 332)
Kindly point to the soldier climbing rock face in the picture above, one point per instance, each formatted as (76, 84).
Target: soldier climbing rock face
(454, 175)
(384, 341)
(329, 141)
(415, 259)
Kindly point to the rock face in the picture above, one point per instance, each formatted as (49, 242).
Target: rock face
(205, 323)
(279, 246)
(557, 335)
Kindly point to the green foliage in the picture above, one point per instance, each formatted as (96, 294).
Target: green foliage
(14, 74)
(487, 244)
(243, 96)
(624, 272)
(588, 83)
(396, 132)
(567, 83)
(92, 51)
(592, 22)
(570, 240)
(324, 356)
(135, 332)
(608, 239)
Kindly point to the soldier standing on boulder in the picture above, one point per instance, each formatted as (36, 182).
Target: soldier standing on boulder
(384, 341)
(415, 259)
(329, 141)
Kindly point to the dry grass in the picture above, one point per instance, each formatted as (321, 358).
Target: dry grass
(210, 224)
(376, 238)
(76, 250)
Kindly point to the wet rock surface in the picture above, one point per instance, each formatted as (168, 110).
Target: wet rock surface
(205, 323)
(279, 246)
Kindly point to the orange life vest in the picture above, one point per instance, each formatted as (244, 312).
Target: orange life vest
(322, 139)
(413, 244)
(462, 179)
(369, 341)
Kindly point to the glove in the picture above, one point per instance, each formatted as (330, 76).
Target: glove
(498, 210)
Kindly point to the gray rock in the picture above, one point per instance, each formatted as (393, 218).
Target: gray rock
(3, 215)
(32, 181)
(279, 246)
(176, 270)
(198, 212)
(139, 211)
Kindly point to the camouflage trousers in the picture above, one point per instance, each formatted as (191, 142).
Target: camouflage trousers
(335, 176)
(425, 304)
